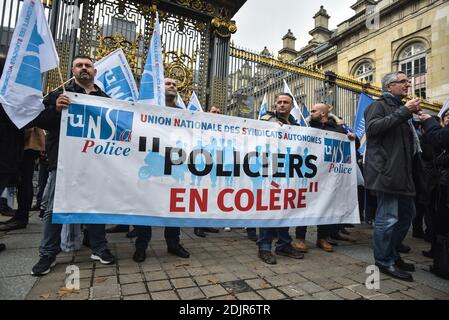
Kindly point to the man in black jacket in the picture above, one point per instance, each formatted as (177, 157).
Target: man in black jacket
(392, 143)
(50, 119)
(11, 149)
(320, 119)
(284, 105)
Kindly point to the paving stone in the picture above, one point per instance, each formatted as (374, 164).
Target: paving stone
(328, 284)
(160, 285)
(271, 294)
(344, 281)
(326, 295)
(129, 270)
(292, 290)
(258, 284)
(400, 296)
(363, 290)
(311, 287)
(347, 294)
(380, 297)
(82, 294)
(105, 272)
(277, 281)
(190, 293)
(104, 281)
(133, 288)
(101, 292)
(138, 297)
(183, 283)
(417, 294)
(155, 275)
(130, 278)
(248, 296)
(214, 291)
(177, 273)
(197, 271)
(164, 295)
(225, 277)
(207, 279)
(389, 286)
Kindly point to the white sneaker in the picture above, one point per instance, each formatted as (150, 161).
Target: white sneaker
(227, 229)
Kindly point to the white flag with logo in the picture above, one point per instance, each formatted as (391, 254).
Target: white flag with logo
(263, 107)
(152, 86)
(114, 76)
(31, 52)
(180, 103)
(296, 111)
(194, 103)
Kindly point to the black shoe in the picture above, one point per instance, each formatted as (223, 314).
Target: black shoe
(2, 247)
(132, 233)
(404, 266)
(43, 266)
(267, 257)
(139, 256)
(332, 242)
(344, 231)
(402, 248)
(13, 224)
(199, 232)
(211, 230)
(179, 251)
(105, 257)
(395, 272)
(118, 228)
(289, 251)
(339, 237)
(41, 213)
(252, 235)
(36, 207)
(428, 254)
(8, 212)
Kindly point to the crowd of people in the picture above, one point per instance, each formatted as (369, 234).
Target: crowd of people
(405, 171)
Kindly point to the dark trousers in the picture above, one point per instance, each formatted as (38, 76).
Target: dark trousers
(25, 187)
(43, 177)
(323, 232)
(144, 233)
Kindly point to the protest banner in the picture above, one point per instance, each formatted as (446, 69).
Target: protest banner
(130, 163)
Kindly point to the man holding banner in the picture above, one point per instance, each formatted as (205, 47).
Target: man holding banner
(171, 234)
(50, 119)
(284, 105)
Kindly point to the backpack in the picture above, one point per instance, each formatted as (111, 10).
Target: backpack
(441, 257)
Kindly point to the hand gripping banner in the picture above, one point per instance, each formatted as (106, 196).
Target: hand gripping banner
(129, 163)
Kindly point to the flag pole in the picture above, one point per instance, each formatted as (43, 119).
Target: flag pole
(62, 80)
(58, 86)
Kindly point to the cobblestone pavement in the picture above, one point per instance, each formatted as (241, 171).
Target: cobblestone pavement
(222, 266)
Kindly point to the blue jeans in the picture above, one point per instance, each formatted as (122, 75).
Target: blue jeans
(393, 219)
(51, 241)
(266, 238)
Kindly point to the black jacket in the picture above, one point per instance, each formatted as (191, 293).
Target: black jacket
(389, 147)
(50, 120)
(11, 144)
(274, 117)
(330, 125)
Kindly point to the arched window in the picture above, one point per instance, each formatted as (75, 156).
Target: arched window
(365, 72)
(412, 60)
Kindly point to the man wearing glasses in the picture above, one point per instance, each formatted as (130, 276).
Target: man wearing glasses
(392, 143)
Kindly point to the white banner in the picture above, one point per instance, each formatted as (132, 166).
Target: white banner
(31, 52)
(123, 163)
(114, 76)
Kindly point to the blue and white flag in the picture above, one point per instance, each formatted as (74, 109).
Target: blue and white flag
(31, 52)
(444, 108)
(359, 123)
(194, 103)
(263, 107)
(305, 114)
(180, 103)
(152, 86)
(296, 111)
(114, 76)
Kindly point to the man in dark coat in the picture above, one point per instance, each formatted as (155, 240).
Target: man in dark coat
(11, 149)
(392, 143)
(50, 119)
(284, 105)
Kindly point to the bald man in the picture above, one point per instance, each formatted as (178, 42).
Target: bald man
(320, 118)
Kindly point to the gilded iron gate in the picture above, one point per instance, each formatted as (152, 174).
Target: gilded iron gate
(97, 27)
(252, 75)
